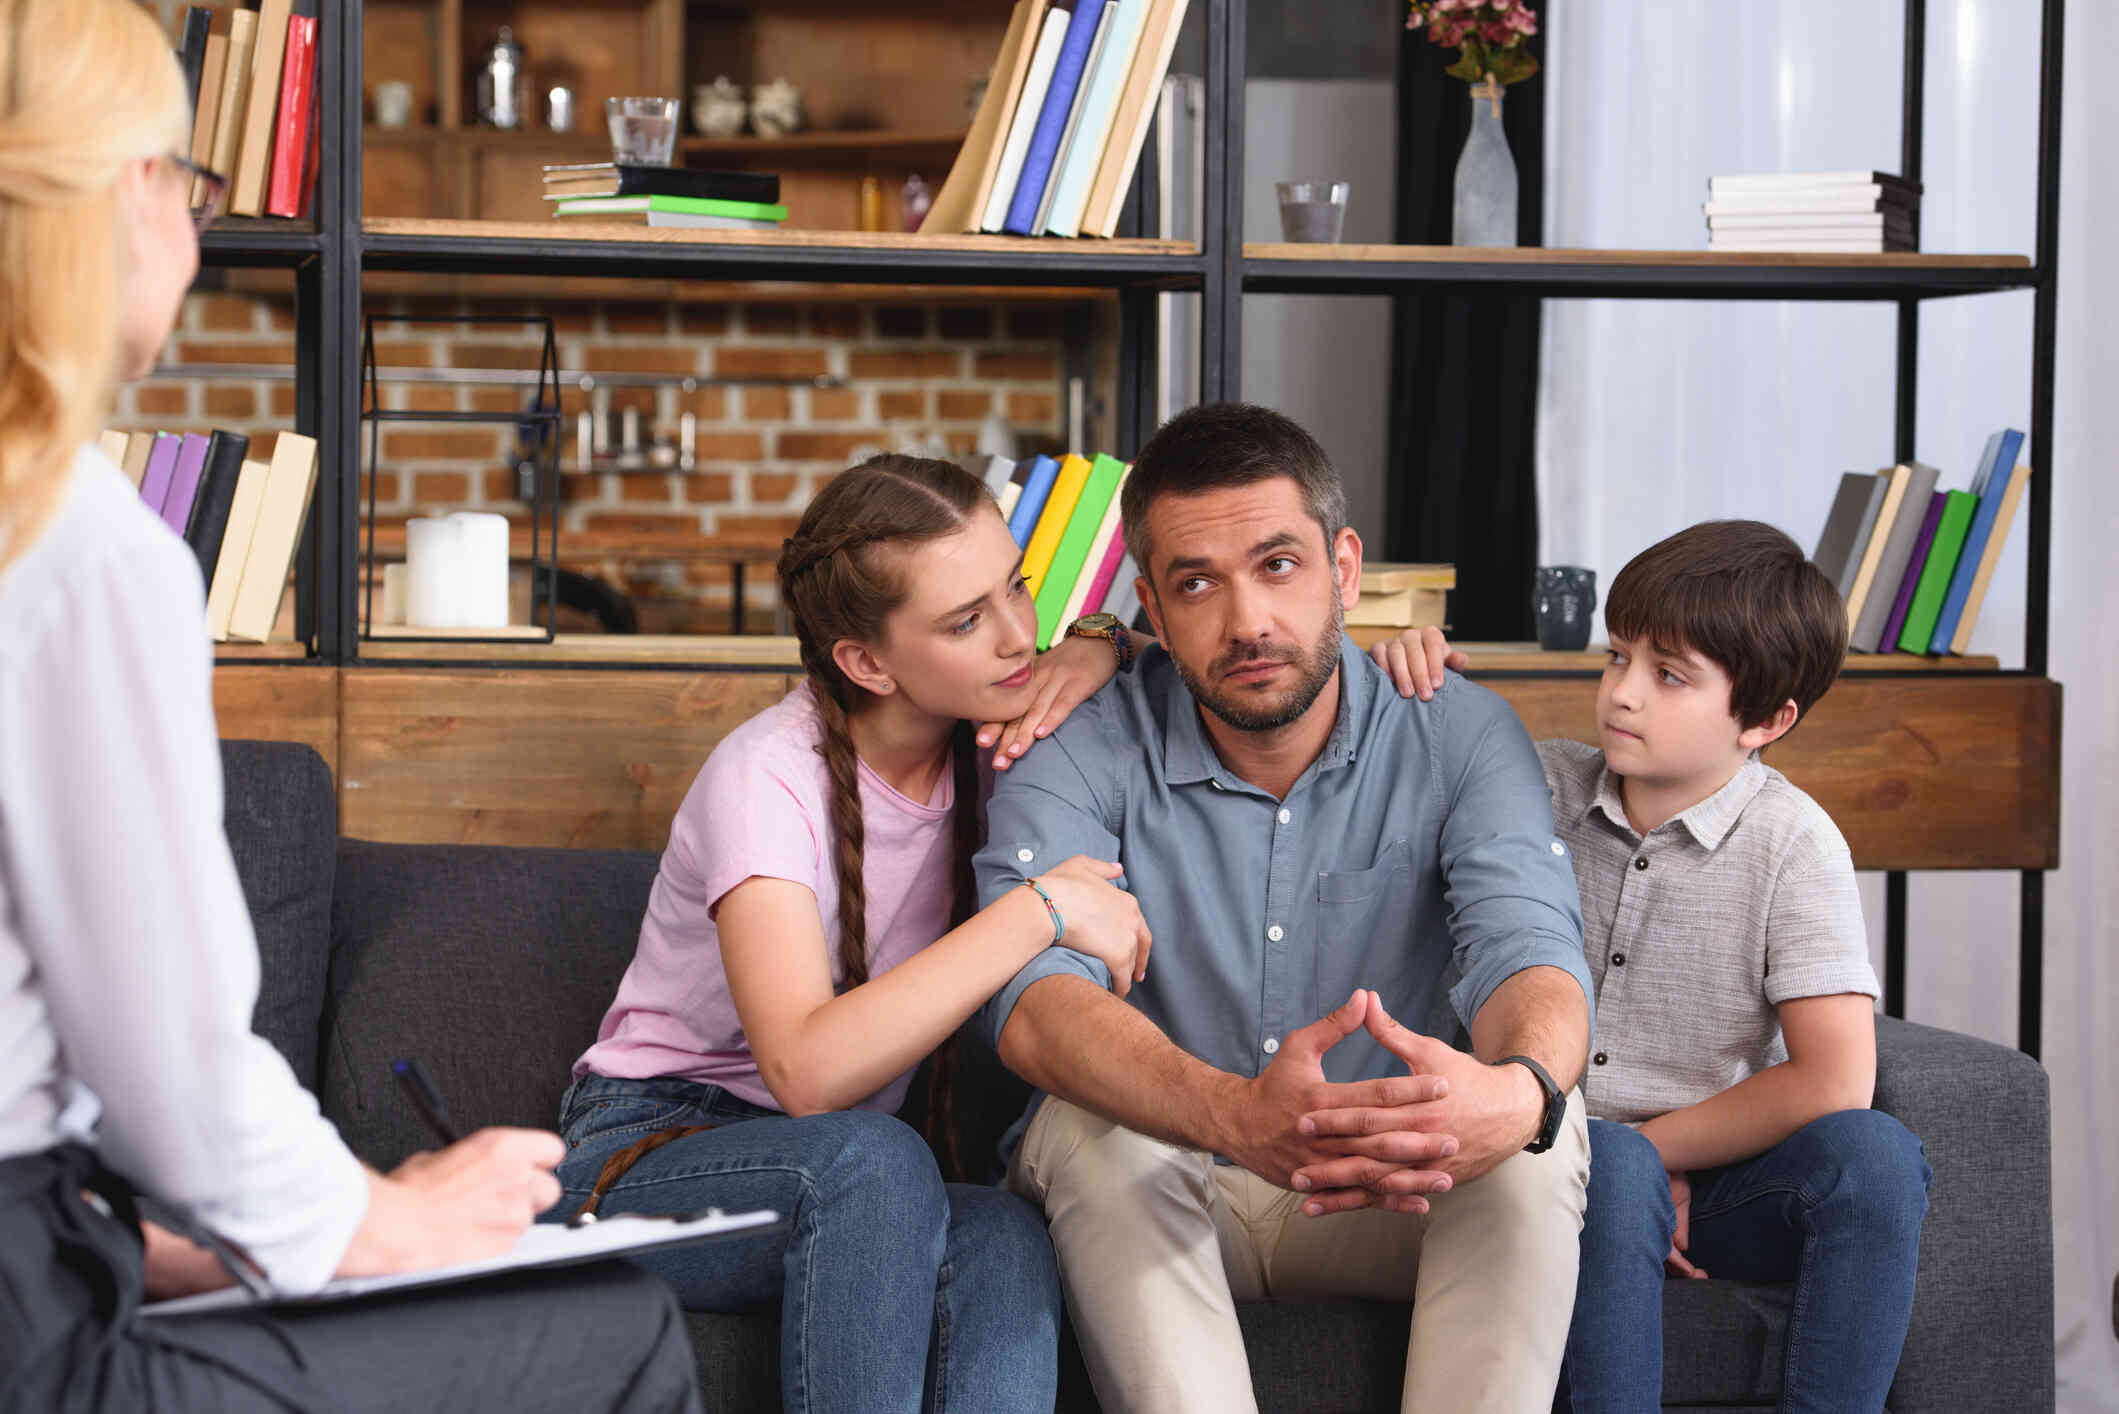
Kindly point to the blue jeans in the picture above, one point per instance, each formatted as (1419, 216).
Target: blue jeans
(895, 1290)
(1835, 1208)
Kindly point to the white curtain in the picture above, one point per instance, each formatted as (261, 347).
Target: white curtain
(1654, 415)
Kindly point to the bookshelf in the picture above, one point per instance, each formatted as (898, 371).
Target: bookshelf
(1983, 795)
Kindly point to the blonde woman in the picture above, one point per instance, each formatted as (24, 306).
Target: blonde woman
(128, 1072)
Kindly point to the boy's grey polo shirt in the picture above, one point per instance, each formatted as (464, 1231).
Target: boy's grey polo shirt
(1421, 833)
(1699, 931)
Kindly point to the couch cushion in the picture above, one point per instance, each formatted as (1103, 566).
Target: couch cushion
(281, 817)
(493, 966)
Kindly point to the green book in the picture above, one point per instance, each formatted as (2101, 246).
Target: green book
(1934, 584)
(1058, 585)
(685, 205)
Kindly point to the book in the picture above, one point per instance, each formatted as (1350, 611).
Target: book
(958, 206)
(1037, 80)
(1037, 488)
(1403, 608)
(671, 205)
(184, 482)
(191, 52)
(1875, 197)
(1847, 527)
(1868, 245)
(227, 577)
(161, 468)
(1993, 478)
(1099, 557)
(1895, 481)
(1785, 181)
(112, 444)
(235, 92)
(1074, 472)
(1388, 577)
(246, 192)
(209, 510)
(1957, 511)
(1899, 538)
(286, 191)
(1083, 523)
(1083, 151)
(1068, 130)
(1916, 564)
(1104, 580)
(1846, 222)
(1123, 600)
(1136, 108)
(1012, 490)
(994, 472)
(206, 110)
(673, 220)
(616, 179)
(288, 488)
(1976, 597)
(138, 446)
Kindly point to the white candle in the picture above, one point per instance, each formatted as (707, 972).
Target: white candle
(430, 558)
(397, 581)
(484, 568)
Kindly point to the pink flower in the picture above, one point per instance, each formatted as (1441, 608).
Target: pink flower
(1495, 32)
(1522, 21)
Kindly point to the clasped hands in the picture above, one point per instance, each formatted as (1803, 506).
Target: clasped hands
(1385, 1143)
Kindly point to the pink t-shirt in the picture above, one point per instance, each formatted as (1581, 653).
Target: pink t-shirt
(761, 805)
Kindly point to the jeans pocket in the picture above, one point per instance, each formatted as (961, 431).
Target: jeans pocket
(606, 1116)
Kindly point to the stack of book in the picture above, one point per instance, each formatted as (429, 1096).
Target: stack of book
(242, 518)
(1067, 109)
(1813, 211)
(1063, 511)
(253, 84)
(665, 196)
(1398, 597)
(1913, 563)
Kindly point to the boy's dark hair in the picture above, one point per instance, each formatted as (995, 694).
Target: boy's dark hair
(1218, 445)
(1743, 594)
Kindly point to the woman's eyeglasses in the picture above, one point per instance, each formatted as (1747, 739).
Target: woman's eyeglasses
(209, 186)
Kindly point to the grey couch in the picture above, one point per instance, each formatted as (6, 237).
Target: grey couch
(494, 966)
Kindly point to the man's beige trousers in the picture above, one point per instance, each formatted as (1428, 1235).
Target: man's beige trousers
(1158, 1243)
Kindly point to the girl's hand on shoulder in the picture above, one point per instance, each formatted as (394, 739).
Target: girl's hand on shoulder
(1102, 919)
(1062, 678)
(1415, 659)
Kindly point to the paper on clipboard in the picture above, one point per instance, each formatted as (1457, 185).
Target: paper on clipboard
(543, 1245)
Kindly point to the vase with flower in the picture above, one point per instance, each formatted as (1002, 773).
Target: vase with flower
(1489, 37)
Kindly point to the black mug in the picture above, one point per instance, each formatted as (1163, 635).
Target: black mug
(1566, 596)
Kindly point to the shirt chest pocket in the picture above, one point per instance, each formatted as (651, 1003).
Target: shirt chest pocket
(1364, 919)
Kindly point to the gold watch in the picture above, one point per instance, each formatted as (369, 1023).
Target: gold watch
(1108, 628)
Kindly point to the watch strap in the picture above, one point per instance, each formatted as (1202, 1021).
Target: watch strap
(1555, 1104)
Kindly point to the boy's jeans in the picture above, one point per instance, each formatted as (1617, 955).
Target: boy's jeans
(1835, 1208)
(896, 1291)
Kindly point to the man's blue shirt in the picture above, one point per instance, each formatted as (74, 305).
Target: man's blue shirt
(1420, 837)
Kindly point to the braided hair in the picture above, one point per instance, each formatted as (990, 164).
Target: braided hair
(841, 576)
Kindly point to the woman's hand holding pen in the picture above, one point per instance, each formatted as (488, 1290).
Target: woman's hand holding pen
(470, 1200)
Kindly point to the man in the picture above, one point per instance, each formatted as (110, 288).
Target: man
(1302, 841)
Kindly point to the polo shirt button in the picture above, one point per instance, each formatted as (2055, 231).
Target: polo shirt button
(1286, 816)
(1024, 856)
(1274, 933)
(1618, 959)
(1600, 1058)
(1640, 861)
(1271, 1046)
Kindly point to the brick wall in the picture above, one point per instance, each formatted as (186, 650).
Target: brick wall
(912, 372)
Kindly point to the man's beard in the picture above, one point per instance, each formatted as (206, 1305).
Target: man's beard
(1316, 668)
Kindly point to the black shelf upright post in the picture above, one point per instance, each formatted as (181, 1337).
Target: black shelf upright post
(339, 221)
(1906, 437)
(1221, 225)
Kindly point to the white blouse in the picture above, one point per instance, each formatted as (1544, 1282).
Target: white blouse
(128, 968)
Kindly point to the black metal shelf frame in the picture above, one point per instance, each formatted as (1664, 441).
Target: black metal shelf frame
(329, 262)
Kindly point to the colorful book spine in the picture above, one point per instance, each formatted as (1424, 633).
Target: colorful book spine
(1957, 512)
(236, 540)
(1996, 480)
(1052, 117)
(1037, 80)
(288, 489)
(1083, 523)
(1099, 109)
(1059, 508)
(1123, 602)
(1903, 532)
(1011, 491)
(290, 144)
(161, 469)
(2013, 493)
(1075, 117)
(184, 482)
(1037, 489)
(209, 513)
(1916, 564)
(1106, 576)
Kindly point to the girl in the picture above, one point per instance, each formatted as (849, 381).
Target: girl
(810, 939)
(128, 969)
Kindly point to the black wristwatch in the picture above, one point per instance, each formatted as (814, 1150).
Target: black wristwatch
(1555, 1104)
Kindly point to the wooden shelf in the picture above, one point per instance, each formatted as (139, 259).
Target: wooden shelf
(1671, 274)
(592, 142)
(691, 651)
(1529, 658)
(278, 652)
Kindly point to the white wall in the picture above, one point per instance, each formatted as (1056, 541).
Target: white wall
(1655, 415)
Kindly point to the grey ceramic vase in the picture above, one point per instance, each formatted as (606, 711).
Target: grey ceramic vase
(1566, 597)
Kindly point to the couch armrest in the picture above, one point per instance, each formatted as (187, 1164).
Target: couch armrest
(1982, 1330)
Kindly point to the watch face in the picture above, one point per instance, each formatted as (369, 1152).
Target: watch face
(1096, 623)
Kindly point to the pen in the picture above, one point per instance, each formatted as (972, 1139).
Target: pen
(419, 1089)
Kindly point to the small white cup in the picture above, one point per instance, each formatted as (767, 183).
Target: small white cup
(393, 104)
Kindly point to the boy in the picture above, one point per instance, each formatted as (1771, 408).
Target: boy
(1735, 1049)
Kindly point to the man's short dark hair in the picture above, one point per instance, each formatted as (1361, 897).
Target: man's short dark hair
(1220, 445)
(1742, 594)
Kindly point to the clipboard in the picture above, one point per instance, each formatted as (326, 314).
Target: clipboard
(542, 1245)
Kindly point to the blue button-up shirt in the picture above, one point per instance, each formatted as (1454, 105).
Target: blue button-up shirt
(1421, 837)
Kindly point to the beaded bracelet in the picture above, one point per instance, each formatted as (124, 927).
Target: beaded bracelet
(1059, 924)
